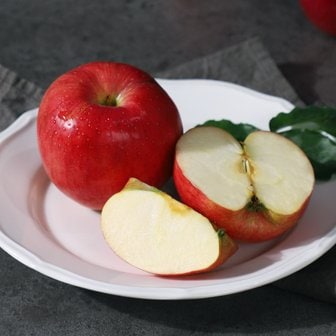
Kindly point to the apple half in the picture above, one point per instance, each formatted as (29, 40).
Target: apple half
(255, 190)
(154, 232)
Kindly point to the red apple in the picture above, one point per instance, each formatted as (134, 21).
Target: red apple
(102, 123)
(322, 13)
(154, 232)
(256, 190)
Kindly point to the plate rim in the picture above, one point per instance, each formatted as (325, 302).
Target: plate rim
(233, 86)
(34, 262)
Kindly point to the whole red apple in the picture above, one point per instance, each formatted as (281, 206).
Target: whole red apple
(322, 13)
(102, 123)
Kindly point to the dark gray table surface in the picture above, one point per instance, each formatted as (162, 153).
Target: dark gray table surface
(42, 39)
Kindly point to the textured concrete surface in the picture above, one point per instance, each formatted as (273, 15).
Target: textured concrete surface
(42, 39)
(32, 304)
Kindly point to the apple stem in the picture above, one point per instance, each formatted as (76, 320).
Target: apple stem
(255, 205)
(110, 100)
(221, 233)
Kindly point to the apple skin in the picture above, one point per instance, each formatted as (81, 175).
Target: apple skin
(245, 224)
(102, 123)
(321, 13)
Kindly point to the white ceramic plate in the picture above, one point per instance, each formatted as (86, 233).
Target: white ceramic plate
(50, 233)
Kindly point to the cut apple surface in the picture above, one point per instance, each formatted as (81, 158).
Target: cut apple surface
(256, 190)
(154, 232)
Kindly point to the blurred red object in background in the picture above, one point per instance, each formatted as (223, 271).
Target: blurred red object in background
(322, 13)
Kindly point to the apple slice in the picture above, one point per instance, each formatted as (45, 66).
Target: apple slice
(154, 232)
(256, 190)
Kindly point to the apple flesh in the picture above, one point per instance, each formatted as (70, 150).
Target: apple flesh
(256, 191)
(154, 232)
(102, 123)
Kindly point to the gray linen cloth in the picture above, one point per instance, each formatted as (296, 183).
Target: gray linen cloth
(248, 64)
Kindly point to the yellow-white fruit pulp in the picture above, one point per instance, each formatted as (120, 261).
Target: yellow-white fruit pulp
(267, 165)
(282, 175)
(155, 233)
(212, 160)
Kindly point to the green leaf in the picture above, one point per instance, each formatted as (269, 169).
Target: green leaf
(321, 119)
(239, 131)
(314, 130)
(320, 150)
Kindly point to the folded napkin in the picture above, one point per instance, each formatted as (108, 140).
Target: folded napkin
(17, 95)
(247, 64)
